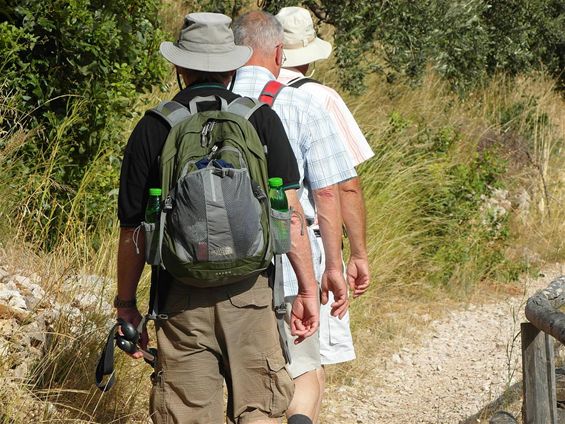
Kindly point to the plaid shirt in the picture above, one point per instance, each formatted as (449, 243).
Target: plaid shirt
(312, 135)
(354, 140)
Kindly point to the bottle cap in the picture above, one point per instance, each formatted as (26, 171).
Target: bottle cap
(275, 182)
(154, 191)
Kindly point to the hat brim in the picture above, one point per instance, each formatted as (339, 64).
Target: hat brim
(207, 62)
(316, 50)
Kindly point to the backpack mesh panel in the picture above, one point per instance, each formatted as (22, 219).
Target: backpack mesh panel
(190, 228)
(246, 229)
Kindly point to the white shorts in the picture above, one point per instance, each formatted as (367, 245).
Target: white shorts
(304, 356)
(336, 343)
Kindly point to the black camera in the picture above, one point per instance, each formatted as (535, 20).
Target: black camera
(128, 342)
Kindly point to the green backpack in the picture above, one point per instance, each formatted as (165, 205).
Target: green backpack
(215, 226)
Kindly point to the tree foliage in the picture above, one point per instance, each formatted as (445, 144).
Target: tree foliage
(464, 40)
(76, 67)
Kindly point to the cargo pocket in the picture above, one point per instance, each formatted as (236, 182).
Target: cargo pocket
(157, 408)
(339, 331)
(280, 231)
(282, 386)
(253, 298)
(152, 250)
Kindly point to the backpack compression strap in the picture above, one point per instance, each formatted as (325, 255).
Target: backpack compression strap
(245, 107)
(270, 92)
(280, 305)
(300, 81)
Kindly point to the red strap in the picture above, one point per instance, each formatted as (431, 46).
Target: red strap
(270, 92)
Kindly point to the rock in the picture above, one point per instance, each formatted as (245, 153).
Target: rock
(8, 312)
(17, 301)
(3, 273)
(87, 283)
(502, 417)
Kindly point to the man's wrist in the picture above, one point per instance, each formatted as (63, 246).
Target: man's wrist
(125, 304)
(359, 254)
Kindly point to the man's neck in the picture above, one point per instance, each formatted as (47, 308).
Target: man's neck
(264, 63)
(294, 69)
(303, 69)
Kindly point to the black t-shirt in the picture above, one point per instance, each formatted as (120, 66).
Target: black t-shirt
(140, 167)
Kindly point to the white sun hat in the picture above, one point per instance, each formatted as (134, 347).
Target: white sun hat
(206, 44)
(301, 46)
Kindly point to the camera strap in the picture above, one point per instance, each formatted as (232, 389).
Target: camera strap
(105, 365)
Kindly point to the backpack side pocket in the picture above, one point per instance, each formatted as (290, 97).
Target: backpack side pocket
(280, 230)
(152, 251)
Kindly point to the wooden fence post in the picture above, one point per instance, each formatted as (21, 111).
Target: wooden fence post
(538, 366)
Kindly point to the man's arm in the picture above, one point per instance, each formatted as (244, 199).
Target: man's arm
(354, 218)
(130, 266)
(327, 202)
(306, 309)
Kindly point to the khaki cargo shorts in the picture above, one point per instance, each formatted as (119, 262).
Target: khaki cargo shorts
(216, 334)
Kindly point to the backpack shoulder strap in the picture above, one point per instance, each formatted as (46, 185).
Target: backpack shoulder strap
(171, 112)
(300, 81)
(270, 92)
(244, 106)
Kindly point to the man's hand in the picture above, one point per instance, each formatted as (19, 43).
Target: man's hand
(332, 280)
(358, 275)
(305, 316)
(133, 316)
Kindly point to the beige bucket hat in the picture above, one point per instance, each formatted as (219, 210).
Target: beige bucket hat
(206, 44)
(301, 46)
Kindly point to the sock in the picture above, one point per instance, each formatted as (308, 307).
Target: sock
(299, 419)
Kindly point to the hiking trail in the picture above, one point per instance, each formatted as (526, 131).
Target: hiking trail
(464, 361)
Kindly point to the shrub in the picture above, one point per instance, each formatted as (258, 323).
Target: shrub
(75, 67)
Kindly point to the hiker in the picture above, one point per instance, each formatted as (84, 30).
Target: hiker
(302, 48)
(322, 163)
(209, 335)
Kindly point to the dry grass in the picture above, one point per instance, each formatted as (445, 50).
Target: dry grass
(397, 183)
(401, 301)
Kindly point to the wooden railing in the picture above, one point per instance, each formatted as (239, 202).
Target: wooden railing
(538, 363)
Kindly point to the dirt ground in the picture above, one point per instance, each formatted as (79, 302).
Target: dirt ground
(466, 360)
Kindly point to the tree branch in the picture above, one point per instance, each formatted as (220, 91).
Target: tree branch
(319, 11)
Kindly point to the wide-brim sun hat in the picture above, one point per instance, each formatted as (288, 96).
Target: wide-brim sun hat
(206, 44)
(301, 45)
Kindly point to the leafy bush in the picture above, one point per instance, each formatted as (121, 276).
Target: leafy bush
(75, 67)
(464, 41)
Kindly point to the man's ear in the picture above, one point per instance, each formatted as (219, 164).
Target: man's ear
(279, 55)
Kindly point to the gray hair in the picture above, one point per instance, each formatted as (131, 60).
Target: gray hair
(259, 30)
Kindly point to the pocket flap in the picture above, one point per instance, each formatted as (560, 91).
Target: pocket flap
(276, 362)
(258, 298)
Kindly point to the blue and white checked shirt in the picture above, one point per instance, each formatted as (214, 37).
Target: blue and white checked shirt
(321, 160)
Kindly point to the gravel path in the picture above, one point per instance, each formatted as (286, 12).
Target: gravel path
(465, 360)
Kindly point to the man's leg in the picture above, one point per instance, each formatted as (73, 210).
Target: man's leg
(321, 376)
(304, 361)
(187, 385)
(260, 388)
(306, 394)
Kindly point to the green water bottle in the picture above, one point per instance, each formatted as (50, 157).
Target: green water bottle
(153, 208)
(277, 195)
